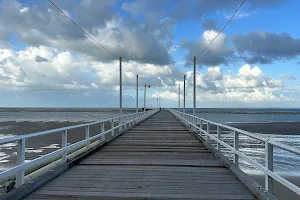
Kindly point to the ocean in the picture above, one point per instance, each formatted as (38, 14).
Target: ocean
(16, 121)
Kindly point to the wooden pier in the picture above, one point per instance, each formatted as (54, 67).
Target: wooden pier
(157, 159)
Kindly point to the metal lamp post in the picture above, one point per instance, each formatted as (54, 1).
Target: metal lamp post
(145, 96)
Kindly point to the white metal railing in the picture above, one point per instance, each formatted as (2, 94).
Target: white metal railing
(194, 121)
(124, 122)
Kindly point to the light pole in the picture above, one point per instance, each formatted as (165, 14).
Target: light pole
(184, 93)
(137, 93)
(179, 97)
(121, 109)
(145, 96)
(194, 89)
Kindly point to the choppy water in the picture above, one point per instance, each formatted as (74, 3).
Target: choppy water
(285, 162)
(59, 114)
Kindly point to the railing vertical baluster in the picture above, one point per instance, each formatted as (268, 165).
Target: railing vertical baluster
(20, 160)
(102, 130)
(64, 143)
(269, 165)
(197, 129)
(87, 135)
(208, 131)
(125, 122)
(236, 147)
(194, 123)
(219, 137)
(201, 127)
(120, 124)
(112, 123)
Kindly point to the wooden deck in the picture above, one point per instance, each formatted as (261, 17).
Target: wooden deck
(158, 159)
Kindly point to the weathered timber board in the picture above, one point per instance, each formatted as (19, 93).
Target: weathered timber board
(158, 159)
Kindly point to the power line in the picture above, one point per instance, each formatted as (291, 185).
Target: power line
(222, 27)
(82, 29)
(90, 36)
(125, 64)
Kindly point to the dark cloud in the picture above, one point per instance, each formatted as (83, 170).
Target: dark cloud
(218, 53)
(43, 25)
(210, 24)
(263, 47)
(4, 36)
(40, 59)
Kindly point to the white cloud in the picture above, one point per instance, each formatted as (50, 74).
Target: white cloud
(217, 53)
(166, 95)
(46, 68)
(248, 85)
(24, 10)
(214, 73)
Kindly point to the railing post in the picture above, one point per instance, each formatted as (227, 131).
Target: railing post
(64, 143)
(112, 127)
(20, 160)
(120, 124)
(102, 130)
(236, 147)
(208, 131)
(269, 165)
(125, 122)
(201, 127)
(219, 137)
(87, 135)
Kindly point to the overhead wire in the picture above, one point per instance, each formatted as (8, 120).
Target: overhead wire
(124, 62)
(222, 28)
(89, 35)
(228, 21)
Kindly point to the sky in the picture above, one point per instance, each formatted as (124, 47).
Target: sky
(46, 61)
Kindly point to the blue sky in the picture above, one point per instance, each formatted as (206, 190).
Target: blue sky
(45, 61)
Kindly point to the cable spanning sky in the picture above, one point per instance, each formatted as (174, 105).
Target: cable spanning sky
(46, 61)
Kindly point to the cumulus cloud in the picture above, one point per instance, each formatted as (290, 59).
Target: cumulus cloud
(218, 53)
(209, 24)
(43, 68)
(263, 47)
(249, 84)
(43, 25)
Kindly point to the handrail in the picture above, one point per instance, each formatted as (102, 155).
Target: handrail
(18, 172)
(40, 133)
(269, 144)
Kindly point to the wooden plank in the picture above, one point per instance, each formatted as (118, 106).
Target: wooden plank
(158, 159)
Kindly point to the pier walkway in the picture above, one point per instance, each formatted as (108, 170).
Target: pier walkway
(157, 159)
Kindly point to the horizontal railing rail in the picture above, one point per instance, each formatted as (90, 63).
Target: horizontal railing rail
(18, 172)
(196, 124)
